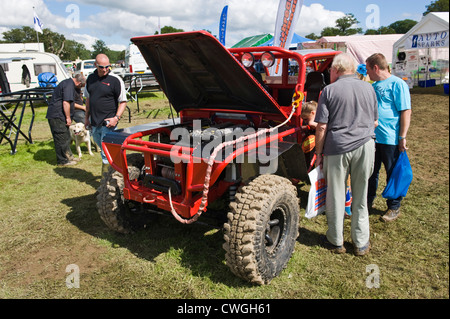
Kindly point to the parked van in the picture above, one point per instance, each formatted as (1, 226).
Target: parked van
(134, 61)
(85, 67)
(22, 68)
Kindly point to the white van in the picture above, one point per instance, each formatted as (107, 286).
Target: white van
(134, 61)
(85, 67)
(22, 68)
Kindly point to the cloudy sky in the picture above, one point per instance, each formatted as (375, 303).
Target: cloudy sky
(116, 21)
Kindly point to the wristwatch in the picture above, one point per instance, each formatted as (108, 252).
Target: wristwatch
(402, 137)
(118, 117)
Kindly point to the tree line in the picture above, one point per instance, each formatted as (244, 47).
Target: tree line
(56, 43)
(70, 50)
(345, 25)
(65, 49)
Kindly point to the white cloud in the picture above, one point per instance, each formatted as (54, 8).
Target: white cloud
(124, 23)
(85, 39)
(245, 17)
(19, 13)
(117, 47)
(315, 17)
(116, 21)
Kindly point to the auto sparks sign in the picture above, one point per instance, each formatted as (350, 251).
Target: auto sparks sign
(428, 40)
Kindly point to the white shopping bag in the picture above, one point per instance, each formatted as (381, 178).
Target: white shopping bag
(317, 193)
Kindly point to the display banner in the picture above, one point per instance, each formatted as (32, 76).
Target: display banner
(430, 40)
(223, 25)
(287, 16)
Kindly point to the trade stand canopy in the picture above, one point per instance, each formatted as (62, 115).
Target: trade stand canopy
(267, 40)
(360, 46)
(253, 41)
(296, 40)
(422, 53)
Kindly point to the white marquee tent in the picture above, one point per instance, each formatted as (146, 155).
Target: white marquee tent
(423, 51)
(360, 46)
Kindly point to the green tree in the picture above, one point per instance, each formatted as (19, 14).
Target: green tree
(74, 50)
(343, 27)
(329, 32)
(53, 42)
(56, 43)
(402, 26)
(437, 6)
(380, 30)
(115, 56)
(386, 30)
(345, 24)
(169, 29)
(312, 36)
(100, 47)
(371, 32)
(20, 35)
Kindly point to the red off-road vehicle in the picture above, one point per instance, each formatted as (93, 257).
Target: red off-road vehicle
(236, 142)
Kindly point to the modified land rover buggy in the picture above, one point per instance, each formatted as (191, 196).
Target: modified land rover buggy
(236, 140)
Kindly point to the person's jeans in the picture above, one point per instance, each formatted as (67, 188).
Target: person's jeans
(61, 137)
(78, 116)
(386, 155)
(98, 132)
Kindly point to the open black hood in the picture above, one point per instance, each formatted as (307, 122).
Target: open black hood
(196, 71)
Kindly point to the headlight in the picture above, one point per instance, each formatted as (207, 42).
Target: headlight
(248, 60)
(267, 59)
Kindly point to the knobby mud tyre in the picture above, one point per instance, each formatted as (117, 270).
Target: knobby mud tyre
(262, 228)
(119, 214)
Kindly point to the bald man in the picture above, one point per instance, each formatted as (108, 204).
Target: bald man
(106, 101)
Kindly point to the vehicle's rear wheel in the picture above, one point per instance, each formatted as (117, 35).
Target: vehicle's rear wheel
(119, 214)
(262, 228)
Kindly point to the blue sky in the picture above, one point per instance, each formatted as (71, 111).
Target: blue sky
(116, 21)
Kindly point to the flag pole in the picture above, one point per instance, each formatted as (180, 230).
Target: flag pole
(39, 47)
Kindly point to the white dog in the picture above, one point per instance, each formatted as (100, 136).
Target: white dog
(80, 134)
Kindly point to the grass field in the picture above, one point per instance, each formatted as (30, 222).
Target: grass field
(49, 221)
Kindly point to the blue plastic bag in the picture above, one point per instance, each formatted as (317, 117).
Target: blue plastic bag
(400, 178)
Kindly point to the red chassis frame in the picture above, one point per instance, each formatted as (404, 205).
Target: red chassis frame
(189, 171)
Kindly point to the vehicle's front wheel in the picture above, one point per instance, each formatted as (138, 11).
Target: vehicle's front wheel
(119, 214)
(262, 228)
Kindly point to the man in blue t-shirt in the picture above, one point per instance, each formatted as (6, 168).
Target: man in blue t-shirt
(394, 116)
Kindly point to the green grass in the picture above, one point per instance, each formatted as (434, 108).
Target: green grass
(48, 220)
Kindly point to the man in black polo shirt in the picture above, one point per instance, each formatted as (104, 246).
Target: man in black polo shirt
(59, 113)
(106, 100)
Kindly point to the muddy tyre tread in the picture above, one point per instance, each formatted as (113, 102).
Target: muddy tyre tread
(110, 195)
(246, 255)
